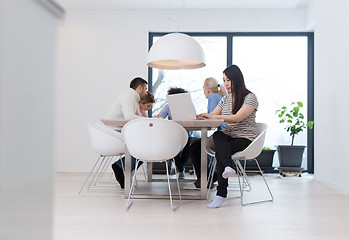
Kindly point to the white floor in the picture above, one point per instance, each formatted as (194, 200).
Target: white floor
(302, 209)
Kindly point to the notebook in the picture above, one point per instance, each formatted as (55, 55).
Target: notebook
(181, 107)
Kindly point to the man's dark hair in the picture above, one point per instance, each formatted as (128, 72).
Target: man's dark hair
(137, 82)
(175, 90)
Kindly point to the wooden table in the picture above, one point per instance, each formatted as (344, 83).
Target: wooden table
(195, 125)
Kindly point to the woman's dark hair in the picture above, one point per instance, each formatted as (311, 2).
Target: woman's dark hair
(136, 82)
(238, 88)
(148, 98)
(175, 90)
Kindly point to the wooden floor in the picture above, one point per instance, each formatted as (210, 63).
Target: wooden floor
(302, 209)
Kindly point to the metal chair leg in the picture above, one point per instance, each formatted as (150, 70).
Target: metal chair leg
(89, 175)
(213, 164)
(242, 187)
(130, 195)
(266, 184)
(169, 187)
(245, 180)
(103, 183)
(91, 185)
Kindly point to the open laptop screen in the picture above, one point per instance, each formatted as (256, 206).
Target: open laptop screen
(181, 106)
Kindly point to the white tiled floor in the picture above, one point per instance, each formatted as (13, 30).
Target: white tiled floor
(302, 209)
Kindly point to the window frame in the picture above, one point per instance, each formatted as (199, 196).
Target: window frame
(230, 38)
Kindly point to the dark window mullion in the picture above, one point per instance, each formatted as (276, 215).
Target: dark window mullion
(229, 49)
(310, 114)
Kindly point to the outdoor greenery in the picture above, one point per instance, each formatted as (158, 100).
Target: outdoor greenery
(293, 119)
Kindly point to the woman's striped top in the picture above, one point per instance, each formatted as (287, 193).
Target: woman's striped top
(247, 127)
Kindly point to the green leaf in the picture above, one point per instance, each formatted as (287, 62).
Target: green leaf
(266, 148)
(293, 119)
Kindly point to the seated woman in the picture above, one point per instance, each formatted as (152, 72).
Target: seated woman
(214, 92)
(145, 104)
(238, 110)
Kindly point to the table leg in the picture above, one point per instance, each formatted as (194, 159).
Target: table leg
(127, 173)
(203, 190)
(149, 171)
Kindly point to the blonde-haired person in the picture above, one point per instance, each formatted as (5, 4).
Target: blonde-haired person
(214, 92)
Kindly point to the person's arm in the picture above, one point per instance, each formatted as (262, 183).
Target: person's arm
(165, 111)
(243, 113)
(216, 111)
(213, 101)
(130, 109)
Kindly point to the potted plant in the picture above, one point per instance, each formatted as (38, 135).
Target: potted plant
(290, 156)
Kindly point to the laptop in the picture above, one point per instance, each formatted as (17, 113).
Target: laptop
(181, 107)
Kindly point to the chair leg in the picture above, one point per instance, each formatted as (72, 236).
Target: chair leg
(266, 184)
(100, 159)
(239, 175)
(245, 180)
(99, 181)
(92, 179)
(242, 189)
(169, 187)
(99, 184)
(213, 163)
(130, 195)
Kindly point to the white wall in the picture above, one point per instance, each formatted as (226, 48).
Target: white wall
(331, 83)
(27, 63)
(101, 51)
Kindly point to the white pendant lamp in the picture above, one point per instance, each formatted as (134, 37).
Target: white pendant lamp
(176, 51)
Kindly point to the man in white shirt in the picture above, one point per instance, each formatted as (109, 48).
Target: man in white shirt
(126, 106)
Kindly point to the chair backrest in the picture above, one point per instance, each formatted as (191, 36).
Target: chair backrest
(154, 139)
(105, 141)
(255, 148)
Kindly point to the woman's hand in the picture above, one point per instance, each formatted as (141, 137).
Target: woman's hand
(204, 115)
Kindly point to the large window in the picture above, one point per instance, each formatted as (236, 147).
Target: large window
(278, 68)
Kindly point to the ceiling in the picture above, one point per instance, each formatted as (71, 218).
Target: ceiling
(180, 4)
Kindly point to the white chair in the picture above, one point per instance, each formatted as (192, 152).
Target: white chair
(154, 140)
(250, 154)
(107, 143)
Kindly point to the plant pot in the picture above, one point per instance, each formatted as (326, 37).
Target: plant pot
(265, 160)
(290, 156)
